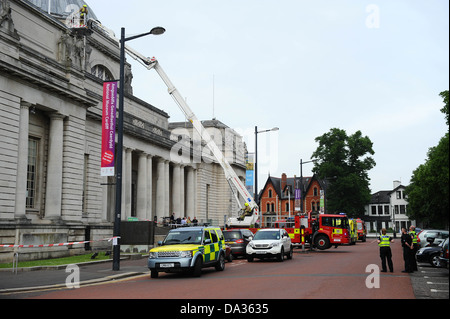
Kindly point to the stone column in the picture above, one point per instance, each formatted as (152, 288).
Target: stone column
(22, 162)
(182, 193)
(190, 192)
(160, 190)
(176, 188)
(53, 193)
(149, 194)
(141, 203)
(126, 182)
(167, 189)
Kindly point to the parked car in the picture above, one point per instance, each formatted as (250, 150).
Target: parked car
(430, 254)
(269, 243)
(237, 239)
(438, 235)
(444, 254)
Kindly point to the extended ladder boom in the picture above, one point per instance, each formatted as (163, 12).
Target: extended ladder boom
(230, 175)
(152, 63)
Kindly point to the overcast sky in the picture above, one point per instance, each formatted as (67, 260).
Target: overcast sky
(303, 66)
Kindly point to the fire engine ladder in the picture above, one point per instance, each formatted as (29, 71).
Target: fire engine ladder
(230, 175)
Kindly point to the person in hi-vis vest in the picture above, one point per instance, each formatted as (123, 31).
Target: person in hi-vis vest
(384, 242)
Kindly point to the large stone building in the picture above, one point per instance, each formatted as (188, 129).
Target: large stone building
(51, 190)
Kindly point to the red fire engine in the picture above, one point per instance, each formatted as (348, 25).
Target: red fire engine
(320, 230)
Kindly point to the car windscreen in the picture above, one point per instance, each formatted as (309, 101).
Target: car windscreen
(267, 235)
(229, 235)
(183, 237)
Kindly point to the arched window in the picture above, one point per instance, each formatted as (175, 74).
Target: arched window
(101, 72)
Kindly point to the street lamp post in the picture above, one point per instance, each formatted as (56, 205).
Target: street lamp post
(302, 190)
(118, 208)
(256, 164)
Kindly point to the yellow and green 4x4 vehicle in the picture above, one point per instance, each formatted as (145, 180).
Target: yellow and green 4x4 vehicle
(188, 249)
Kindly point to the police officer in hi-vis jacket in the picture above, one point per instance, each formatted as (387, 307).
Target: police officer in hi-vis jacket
(384, 242)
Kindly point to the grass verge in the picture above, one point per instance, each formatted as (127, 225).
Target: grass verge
(57, 261)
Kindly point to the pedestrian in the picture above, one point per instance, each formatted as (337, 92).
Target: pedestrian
(384, 242)
(412, 233)
(183, 222)
(407, 247)
(195, 221)
(172, 219)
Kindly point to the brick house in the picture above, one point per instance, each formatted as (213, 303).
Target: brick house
(277, 198)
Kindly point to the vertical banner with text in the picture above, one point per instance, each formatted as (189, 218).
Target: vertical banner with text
(109, 128)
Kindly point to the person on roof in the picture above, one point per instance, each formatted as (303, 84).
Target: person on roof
(83, 14)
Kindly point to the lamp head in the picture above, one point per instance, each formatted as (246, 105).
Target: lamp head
(157, 31)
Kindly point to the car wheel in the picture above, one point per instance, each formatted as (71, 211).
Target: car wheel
(220, 266)
(197, 270)
(281, 255)
(435, 261)
(290, 253)
(153, 274)
(249, 258)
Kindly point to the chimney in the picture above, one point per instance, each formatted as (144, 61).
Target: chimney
(283, 181)
(397, 184)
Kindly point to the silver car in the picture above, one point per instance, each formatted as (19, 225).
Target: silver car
(438, 235)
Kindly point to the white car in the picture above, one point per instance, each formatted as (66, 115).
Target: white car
(269, 243)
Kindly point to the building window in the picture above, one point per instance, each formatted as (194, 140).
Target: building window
(402, 209)
(386, 210)
(316, 193)
(399, 194)
(374, 210)
(32, 172)
(270, 221)
(102, 73)
(380, 210)
(270, 193)
(267, 207)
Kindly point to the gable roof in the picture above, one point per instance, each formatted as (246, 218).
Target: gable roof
(290, 183)
(380, 197)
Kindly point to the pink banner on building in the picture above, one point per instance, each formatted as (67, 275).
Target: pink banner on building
(109, 128)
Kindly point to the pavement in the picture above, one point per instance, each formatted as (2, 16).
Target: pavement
(53, 277)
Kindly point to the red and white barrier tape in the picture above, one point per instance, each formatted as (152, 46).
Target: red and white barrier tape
(57, 245)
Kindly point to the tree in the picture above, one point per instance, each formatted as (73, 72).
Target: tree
(428, 192)
(343, 163)
(444, 110)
